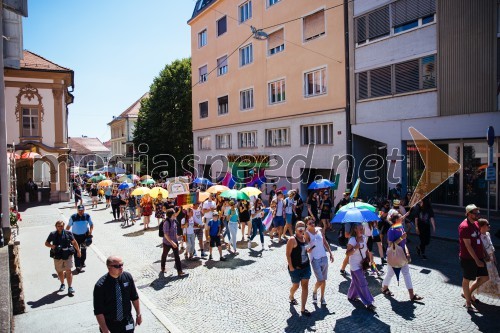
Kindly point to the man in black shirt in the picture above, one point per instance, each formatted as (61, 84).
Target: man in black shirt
(113, 295)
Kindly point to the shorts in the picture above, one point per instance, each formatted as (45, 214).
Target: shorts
(325, 217)
(63, 265)
(214, 241)
(289, 218)
(383, 227)
(320, 268)
(471, 271)
(95, 198)
(199, 234)
(300, 274)
(279, 221)
(107, 197)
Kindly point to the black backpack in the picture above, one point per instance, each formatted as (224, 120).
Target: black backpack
(160, 227)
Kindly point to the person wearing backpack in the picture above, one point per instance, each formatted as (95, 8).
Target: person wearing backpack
(398, 256)
(82, 227)
(62, 245)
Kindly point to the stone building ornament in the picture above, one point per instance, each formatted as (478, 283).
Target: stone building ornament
(30, 93)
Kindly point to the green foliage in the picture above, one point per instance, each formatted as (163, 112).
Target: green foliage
(164, 122)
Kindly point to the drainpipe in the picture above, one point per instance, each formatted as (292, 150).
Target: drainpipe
(348, 133)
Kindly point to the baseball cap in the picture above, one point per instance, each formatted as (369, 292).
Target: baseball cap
(396, 202)
(81, 207)
(216, 213)
(470, 208)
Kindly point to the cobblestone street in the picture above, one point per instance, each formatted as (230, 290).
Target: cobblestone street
(249, 292)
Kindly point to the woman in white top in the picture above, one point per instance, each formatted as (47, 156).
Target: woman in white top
(492, 286)
(317, 256)
(188, 224)
(357, 251)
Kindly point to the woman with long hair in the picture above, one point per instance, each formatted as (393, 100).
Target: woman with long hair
(233, 225)
(257, 226)
(147, 209)
(424, 219)
(244, 214)
(157, 206)
(357, 251)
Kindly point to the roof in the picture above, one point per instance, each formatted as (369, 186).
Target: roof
(87, 146)
(132, 111)
(34, 61)
(107, 144)
(200, 6)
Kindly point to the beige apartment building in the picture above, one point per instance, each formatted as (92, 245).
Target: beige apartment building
(260, 99)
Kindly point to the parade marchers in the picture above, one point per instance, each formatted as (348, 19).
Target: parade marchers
(307, 245)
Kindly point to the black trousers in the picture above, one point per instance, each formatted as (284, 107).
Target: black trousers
(119, 326)
(166, 250)
(424, 235)
(116, 211)
(80, 239)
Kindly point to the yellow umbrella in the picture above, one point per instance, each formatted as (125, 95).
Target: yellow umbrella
(156, 190)
(202, 196)
(105, 183)
(217, 189)
(146, 177)
(251, 191)
(141, 191)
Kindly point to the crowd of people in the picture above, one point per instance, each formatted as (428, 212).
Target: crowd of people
(220, 222)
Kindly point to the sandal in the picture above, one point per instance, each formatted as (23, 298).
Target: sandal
(387, 292)
(416, 298)
(371, 307)
(471, 308)
(306, 313)
(293, 301)
(473, 299)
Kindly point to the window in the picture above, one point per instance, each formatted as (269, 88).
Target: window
(245, 11)
(223, 105)
(414, 75)
(373, 25)
(408, 14)
(31, 127)
(321, 134)
(278, 137)
(246, 55)
(221, 26)
(203, 74)
(246, 99)
(247, 139)
(222, 66)
(315, 83)
(202, 38)
(276, 42)
(203, 110)
(223, 141)
(314, 25)
(273, 2)
(277, 91)
(204, 143)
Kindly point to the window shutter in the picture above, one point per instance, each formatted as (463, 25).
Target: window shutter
(276, 39)
(221, 62)
(380, 82)
(203, 70)
(314, 25)
(405, 11)
(407, 76)
(378, 23)
(360, 29)
(363, 85)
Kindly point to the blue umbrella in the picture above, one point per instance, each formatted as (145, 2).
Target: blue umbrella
(355, 215)
(203, 181)
(321, 184)
(125, 186)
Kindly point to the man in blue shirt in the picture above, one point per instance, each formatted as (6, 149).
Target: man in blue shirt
(82, 229)
(214, 230)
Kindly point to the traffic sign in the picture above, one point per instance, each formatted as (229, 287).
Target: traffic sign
(491, 173)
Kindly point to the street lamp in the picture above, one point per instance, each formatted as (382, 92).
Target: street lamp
(259, 34)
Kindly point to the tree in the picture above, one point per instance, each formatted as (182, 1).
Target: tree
(164, 122)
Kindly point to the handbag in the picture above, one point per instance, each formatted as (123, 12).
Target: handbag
(365, 263)
(396, 256)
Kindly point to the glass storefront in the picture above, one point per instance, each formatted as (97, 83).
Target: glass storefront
(465, 187)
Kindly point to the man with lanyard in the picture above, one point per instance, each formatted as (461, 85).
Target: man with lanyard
(197, 230)
(208, 209)
(82, 229)
(471, 256)
(113, 294)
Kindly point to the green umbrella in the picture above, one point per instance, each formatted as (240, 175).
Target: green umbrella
(234, 194)
(98, 178)
(148, 181)
(360, 205)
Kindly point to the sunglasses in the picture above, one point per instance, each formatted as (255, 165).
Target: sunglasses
(476, 212)
(301, 229)
(116, 266)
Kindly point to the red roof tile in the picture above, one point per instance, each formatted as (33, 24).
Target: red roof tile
(87, 145)
(34, 61)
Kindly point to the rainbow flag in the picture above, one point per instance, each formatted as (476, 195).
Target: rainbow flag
(267, 220)
(187, 199)
(355, 190)
(228, 180)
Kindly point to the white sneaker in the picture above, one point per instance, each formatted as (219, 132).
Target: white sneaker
(263, 247)
(249, 244)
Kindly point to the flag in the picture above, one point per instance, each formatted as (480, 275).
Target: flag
(355, 190)
(187, 199)
(266, 222)
(228, 180)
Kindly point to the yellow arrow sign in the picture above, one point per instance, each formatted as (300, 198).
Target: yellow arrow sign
(439, 166)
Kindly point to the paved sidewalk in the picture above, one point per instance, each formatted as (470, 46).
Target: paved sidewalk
(48, 310)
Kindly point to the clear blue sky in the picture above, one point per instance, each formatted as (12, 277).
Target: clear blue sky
(115, 47)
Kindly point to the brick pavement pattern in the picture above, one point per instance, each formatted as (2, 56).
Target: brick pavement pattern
(249, 292)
